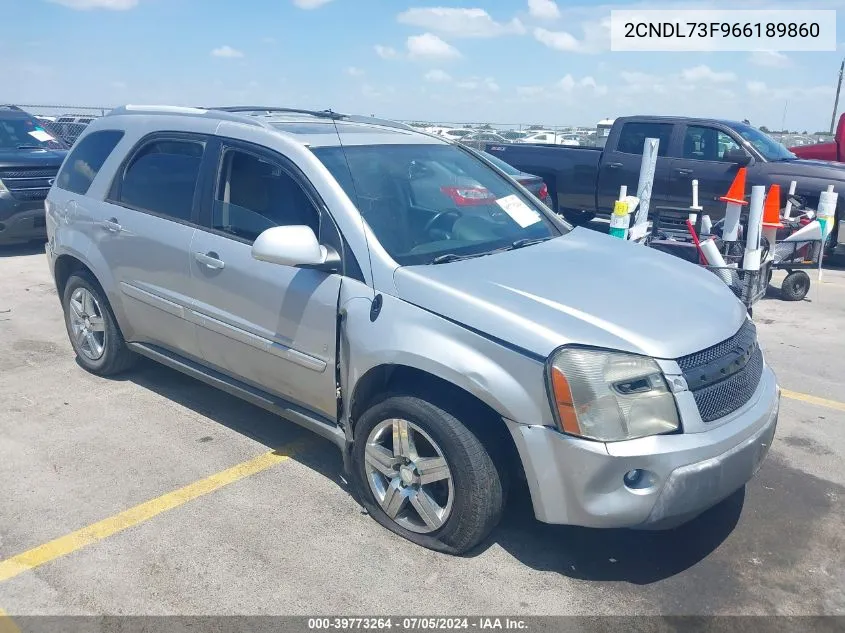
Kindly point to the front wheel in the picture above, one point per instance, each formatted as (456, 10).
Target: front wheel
(424, 475)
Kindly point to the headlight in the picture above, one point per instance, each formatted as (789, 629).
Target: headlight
(610, 396)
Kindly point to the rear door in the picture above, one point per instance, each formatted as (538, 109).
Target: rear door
(621, 163)
(268, 325)
(704, 156)
(144, 232)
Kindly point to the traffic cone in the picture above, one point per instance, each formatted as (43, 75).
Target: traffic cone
(735, 200)
(771, 216)
(736, 193)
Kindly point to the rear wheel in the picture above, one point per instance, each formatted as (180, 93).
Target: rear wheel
(795, 286)
(92, 328)
(424, 475)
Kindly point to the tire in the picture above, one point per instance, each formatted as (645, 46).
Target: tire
(474, 484)
(795, 286)
(114, 357)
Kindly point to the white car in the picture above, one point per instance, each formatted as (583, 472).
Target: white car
(548, 138)
(456, 134)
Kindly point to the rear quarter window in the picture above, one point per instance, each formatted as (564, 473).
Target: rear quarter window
(86, 159)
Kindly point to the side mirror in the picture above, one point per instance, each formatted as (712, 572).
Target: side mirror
(295, 246)
(738, 156)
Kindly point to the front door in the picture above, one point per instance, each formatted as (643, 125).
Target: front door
(265, 324)
(707, 155)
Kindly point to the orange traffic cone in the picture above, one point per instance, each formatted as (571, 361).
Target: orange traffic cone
(771, 210)
(736, 194)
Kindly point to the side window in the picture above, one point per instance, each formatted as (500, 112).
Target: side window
(707, 143)
(86, 159)
(254, 194)
(633, 135)
(162, 178)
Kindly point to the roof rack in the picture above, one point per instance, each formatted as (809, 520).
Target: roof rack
(187, 111)
(323, 114)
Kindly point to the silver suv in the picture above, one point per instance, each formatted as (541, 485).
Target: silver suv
(403, 297)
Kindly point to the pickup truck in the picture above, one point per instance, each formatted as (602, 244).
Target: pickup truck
(831, 151)
(585, 181)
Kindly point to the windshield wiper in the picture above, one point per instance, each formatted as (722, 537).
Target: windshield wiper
(453, 257)
(30, 147)
(527, 241)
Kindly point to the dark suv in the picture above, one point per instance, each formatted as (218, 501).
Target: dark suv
(30, 157)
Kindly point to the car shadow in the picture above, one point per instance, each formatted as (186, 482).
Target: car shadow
(638, 557)
(313, 451)
(635, 556)
(35, 247)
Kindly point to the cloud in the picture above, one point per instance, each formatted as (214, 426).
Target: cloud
(353, 71)
(226, 51)
(770, 59)
(543, 9)
(596, 38)
(120, 85)
(459, 22)
(430, 46)
(310, 4)
(85, 5)
(437, 76)
(567, 86)
(706, 74)
(756, 87)
(472, 83)
(385, 52)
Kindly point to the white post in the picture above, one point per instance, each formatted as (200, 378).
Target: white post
(646, 182)
(826, 216)
(623, 192)
(695, 208)
(753, 232)
(787, 212)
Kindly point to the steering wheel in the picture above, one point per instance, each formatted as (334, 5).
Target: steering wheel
(443, 214)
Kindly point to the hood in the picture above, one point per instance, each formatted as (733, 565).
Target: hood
(584, 288)
(31, 157)
(825, 169)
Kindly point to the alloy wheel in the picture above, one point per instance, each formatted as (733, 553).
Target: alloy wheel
(409, 475)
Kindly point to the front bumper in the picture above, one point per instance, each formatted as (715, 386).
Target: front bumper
(21, 221)
(580, 482)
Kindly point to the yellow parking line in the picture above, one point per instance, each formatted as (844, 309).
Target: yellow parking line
(64, 545)
(822, 402)
(7, 624)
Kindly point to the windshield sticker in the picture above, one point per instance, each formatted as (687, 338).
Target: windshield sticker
(41, 135)
(520, 212)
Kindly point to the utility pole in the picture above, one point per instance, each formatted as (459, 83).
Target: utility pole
(836, 103)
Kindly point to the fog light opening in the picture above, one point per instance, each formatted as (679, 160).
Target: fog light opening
(638, 479)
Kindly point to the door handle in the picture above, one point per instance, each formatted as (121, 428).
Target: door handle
(684, 172)
(614, 165)
(210, 260)
(111, 225)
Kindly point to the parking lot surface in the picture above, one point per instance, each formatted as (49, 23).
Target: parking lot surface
(155, 494)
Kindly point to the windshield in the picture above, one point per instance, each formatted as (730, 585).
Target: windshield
(768, 147)
(431, 203)
(23, 132)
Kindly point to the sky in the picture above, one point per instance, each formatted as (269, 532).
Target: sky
(499, 61)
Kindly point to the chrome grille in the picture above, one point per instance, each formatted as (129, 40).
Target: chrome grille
(28, 184)
(723, 378)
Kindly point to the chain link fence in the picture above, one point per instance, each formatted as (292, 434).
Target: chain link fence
(64, 122)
